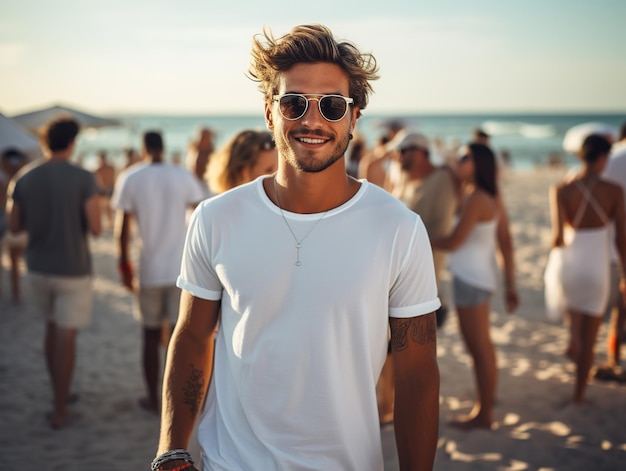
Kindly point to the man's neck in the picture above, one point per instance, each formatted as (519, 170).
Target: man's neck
(59, 156)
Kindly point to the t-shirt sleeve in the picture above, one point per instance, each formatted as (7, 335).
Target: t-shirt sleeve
(414, 292)
(91, 186)
(197, 275)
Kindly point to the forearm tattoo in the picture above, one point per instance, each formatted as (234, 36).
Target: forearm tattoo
(193, 390)
(420, 329)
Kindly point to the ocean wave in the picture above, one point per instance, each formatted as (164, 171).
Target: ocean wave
(519, 128)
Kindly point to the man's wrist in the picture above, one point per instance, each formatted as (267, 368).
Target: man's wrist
(172, 460)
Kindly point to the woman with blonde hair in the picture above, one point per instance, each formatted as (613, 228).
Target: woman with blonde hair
(248, 155)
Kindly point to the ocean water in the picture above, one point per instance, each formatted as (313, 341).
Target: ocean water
(529, 139)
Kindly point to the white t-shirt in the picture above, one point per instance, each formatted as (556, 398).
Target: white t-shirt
(300, 348)
(474, 261)
(615, 171)
(158, 195)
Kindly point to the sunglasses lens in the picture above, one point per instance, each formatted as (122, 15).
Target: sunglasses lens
(293, 106)
(333, 108)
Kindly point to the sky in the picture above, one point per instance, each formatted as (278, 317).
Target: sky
(190, 56)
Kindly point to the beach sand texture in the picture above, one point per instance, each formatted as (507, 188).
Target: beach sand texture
(537, 427)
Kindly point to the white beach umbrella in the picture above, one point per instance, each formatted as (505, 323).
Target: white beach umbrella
(13, 135)
(576, 135)
(36, 119)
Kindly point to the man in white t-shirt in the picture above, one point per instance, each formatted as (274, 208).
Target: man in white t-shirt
(157, 196)
(305, 270)
(615, 171)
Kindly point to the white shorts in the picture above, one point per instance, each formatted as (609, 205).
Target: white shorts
(64, 300)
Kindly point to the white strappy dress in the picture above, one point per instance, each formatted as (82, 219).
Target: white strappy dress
(583, 270)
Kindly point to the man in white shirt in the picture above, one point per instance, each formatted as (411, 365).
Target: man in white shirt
(305, 270)
(157, 195)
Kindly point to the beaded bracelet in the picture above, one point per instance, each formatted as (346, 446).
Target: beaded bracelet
(172, 455)
(177, 468)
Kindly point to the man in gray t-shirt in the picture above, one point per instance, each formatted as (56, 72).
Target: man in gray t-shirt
(56, 203)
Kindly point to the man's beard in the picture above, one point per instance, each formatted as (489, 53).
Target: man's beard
(310, 161)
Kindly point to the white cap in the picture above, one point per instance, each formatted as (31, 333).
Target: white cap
(413, 139)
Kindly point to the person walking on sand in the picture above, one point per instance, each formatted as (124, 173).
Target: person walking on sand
(583, 209)
(56, 202)
(305, 281)
(11, 161)
(481, 226)
(615, 171)
(105, 178)
(156, 195)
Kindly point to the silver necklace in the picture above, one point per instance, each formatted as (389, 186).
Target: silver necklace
(293, 234)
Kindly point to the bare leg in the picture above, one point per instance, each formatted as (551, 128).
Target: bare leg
(49, 348)
(474, 324)
(385, 392)
(588, 335)
(15, 254)
(62, 346)
(151, 343)
(573, 348)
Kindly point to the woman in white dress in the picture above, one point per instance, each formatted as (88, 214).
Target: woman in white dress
(481, 232)
(583, 209)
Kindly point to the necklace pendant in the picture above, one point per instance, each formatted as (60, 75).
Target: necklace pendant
(298, 262)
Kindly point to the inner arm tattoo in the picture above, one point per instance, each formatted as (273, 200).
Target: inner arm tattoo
(420, 329)
(193, 390)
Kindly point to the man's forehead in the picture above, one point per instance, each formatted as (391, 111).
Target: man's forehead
(319, 77)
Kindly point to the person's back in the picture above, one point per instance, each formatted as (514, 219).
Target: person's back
(56, 224)
(586, 203)
(582, 209)
(105, 175)
(159, 195)
(615, 171)
(56, 203)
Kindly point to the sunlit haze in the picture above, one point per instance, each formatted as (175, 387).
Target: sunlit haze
(190, 56)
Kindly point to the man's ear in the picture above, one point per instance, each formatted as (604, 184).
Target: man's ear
(356, 112)
(269, 121)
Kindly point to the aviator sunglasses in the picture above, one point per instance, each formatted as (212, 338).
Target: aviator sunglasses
(294, 105)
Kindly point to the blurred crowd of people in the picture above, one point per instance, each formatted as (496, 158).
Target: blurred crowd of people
(455, 190)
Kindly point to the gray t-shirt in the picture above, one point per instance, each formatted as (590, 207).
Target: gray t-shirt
(52, 197)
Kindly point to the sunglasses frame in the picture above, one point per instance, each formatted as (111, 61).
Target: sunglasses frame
(314, 96)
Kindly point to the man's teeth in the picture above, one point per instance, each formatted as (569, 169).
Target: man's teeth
(308, 140)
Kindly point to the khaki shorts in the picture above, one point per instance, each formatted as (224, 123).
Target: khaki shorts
(64, 300)
(156, 305)
(16, 240)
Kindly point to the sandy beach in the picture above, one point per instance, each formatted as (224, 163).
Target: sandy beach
(538, 429)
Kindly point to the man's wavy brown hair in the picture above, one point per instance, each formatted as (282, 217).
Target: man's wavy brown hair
(310, 44)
